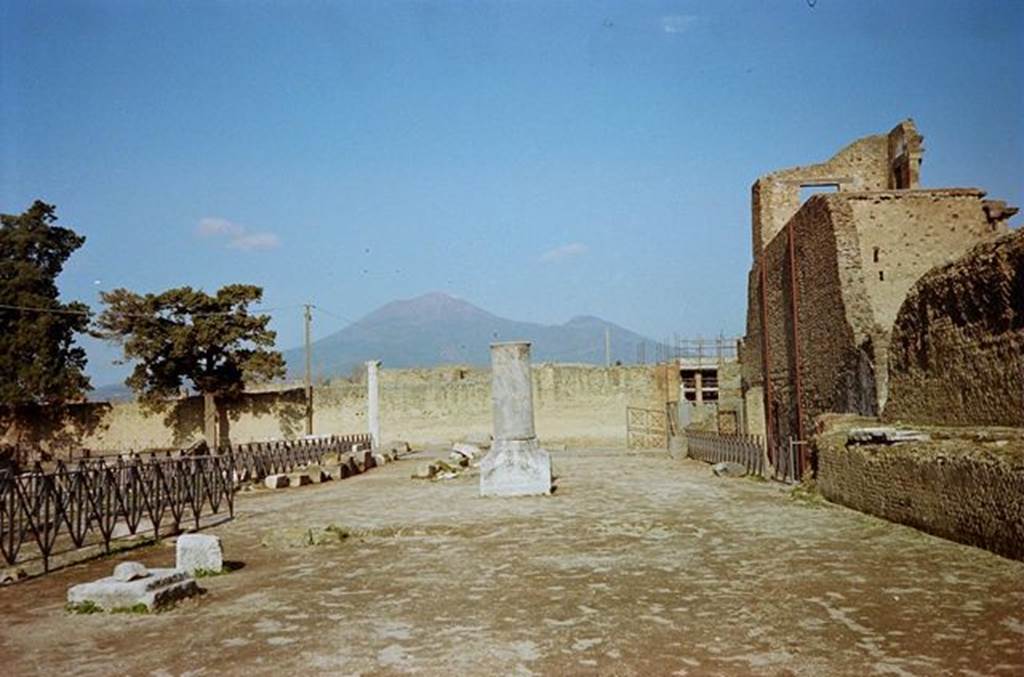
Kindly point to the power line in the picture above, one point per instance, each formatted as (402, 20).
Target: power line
(337, 316)
(87, 313)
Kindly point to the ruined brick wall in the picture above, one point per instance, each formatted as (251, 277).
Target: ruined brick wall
(855, 256)
(775, 197)
(903, 234)
(957, 350)
(832, 332)
(574, 404)
(964, 490)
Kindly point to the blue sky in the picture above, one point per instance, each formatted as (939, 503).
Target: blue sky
(539, 159)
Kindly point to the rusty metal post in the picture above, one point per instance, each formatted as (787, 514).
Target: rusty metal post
(794, 300)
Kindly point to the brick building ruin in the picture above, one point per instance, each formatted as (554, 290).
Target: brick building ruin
(829, 276)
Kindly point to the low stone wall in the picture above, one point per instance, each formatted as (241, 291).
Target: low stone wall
(967, 486)
(579, 405)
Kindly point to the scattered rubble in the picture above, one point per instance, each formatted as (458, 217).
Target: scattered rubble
(727, 469)
(464, 450)
(437, 470)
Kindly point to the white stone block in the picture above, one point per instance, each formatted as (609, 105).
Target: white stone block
(199, 551)
(276, 481)
(160, 587)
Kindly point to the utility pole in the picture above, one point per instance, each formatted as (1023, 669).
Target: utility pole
(309, 370)
(607, 347)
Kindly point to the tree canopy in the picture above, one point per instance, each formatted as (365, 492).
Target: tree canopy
(184, 336)
(39, 361)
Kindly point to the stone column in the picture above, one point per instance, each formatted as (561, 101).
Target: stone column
(373, 402)
(515, 465)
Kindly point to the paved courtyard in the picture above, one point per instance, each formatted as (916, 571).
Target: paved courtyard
(638, 565)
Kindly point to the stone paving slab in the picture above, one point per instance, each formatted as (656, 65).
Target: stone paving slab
(636, 565)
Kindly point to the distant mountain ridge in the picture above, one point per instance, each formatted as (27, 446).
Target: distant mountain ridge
(435, 329)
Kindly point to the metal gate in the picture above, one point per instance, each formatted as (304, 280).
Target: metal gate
(646, 428)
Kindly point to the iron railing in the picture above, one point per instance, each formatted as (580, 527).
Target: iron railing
(94, 501)
(747, 450)
(790, 461)
(646, 428)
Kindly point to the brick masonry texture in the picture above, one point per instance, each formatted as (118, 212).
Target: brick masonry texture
(957, 350)
(957, 486)
(835, 271)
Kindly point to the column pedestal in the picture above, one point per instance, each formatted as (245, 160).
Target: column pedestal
(516, 464)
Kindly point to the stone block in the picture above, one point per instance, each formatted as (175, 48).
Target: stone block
(159, 588)
(317, 473)
(398, 446)
(515, 468)
(469, 451)
(199, 551)
(129, 571)
(729, 469)
(379, 460)
(276, 481)
(300, 479)
(357, 462)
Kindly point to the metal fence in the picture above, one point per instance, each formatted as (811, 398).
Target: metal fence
(646, 428)
(790, 461)
(94, 501)
(747, 450)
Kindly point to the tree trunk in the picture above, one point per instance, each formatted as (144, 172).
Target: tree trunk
(210, 421)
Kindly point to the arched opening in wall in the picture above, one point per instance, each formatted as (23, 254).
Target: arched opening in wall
(809, 189)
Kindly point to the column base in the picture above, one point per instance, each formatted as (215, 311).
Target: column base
(515, 468)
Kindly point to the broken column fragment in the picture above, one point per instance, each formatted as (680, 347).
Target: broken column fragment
(515, 465)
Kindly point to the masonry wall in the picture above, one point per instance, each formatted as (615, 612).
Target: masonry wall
(574, 404)
(957, 350)
(845, 309)
(965, 490)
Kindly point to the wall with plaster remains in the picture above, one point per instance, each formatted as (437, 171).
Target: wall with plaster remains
(957, 350)
(574, 404)
(826, 286)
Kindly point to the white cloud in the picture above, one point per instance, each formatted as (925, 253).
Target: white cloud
(211, 225)
(677, 23)
(255, 242)
(237, 235)
(564, 252)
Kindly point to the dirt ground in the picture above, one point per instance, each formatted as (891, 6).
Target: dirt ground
(637, 565)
